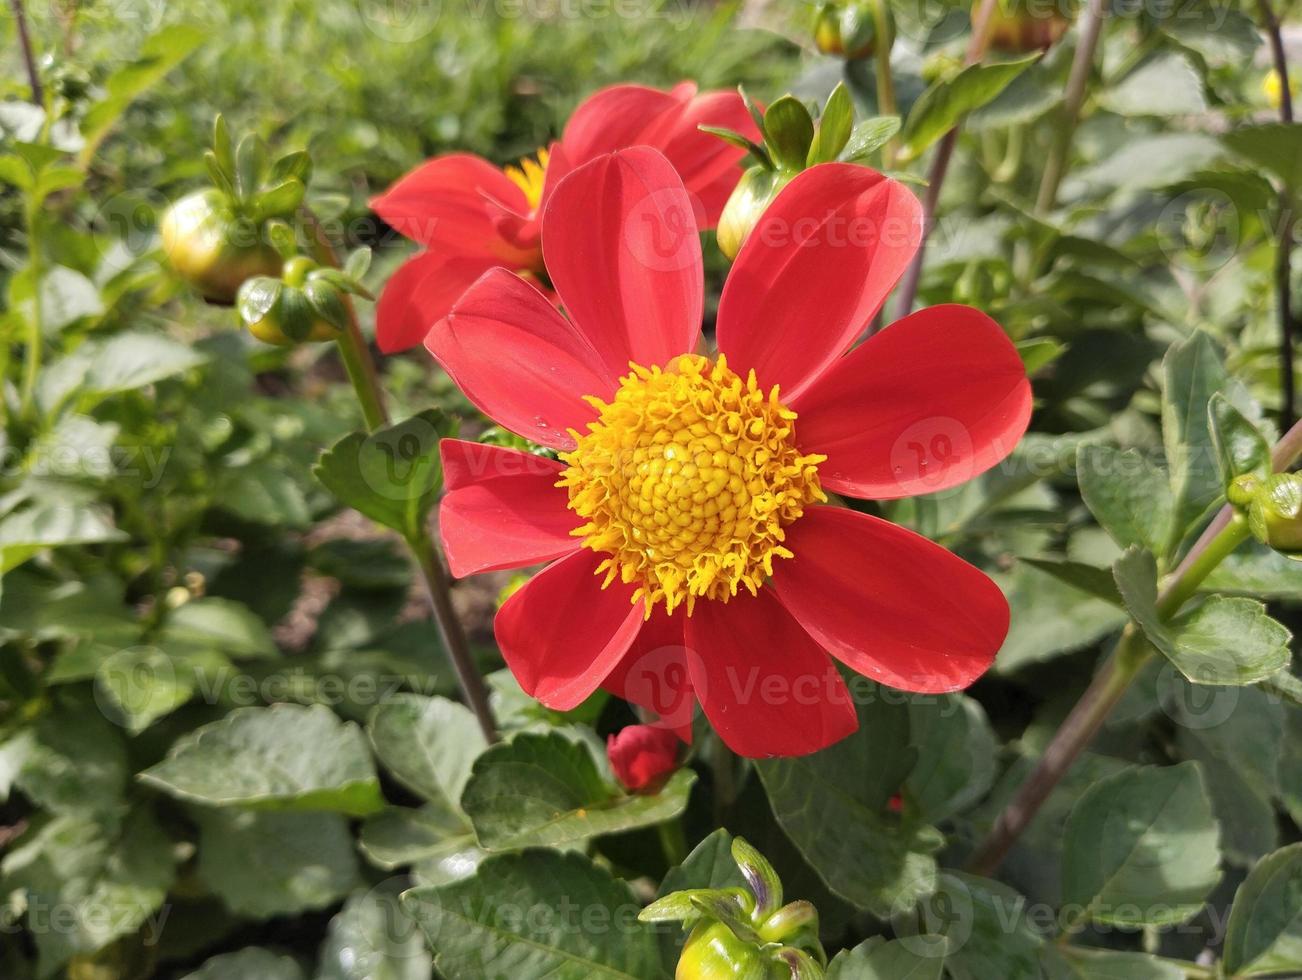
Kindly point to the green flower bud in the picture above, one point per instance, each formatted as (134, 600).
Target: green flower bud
(1273, 506)
(738, 934)
(306, 304)
(752, 195)
(211, 248)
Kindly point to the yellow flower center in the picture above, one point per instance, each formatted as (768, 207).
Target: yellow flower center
(687, 480)
(529, 176)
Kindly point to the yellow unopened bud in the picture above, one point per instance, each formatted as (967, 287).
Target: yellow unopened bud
(1274, 509)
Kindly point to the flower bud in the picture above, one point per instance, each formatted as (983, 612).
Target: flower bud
(847, 28)
(211, 249)
(306, 303)
(737, 932)
(643, 757)
(1274, 509)
(752, 195)
(1015, 29)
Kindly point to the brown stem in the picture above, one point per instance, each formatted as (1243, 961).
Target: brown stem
(361, 371)
(976, 47)
(1111, 682)
(1082, 66)
(29, 59)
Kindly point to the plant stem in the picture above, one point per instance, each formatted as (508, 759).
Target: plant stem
(940, 166)
(361, 371)
(1225, 534)
(1082, 66)
(886, 105)
(453, 637)
(35, 331)
(1284, 244)
(29, 58)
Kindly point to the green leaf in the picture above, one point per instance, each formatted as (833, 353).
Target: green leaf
(1141, 848)
(438, 840)
(833, 807)
(834, 127)
(30, 530)
(280, 199)
(1240, 446)
(1273, 147)
(220, 625)
(1264, 934)
(1050, 618)
(142, 684)
(1222, 640)
(868, 137)
(1097, 582)
(428, 744)
(1127, 494)
(101, 882)
(789, 132)
(286, 757)
(540, 913)
(1039, 352)
(1081, 963)
(72, 761)
(545, 789)
(267, 492)
(248, 964)
(159, 55)
(945, 103)
(956, 755)
(393, 476)
(265, 864)
(915, 958)
(1193, 372)
(1165, 85)
(986, 925)
(372, 939)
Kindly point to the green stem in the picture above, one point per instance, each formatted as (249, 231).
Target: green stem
(1191, 575)
(886, 105)
(672, 842)
(1082, 66)
(35, 331)
(361, 371)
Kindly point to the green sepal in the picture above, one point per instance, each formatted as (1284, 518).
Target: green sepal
(680, 907)
(760, 154)
(341, 280)
(222, 151)
(297, 165)
(802, 965)
(756, 115)
(250, 164)
(220, 176)
(726, 909)
(798, 918)
(759, 874)
(789, 132)
(282, 239)
(834, 127)
(280, 199)
(1241, 448)
(327, 302)
(295, 314)
(257, 297)
(357, 263)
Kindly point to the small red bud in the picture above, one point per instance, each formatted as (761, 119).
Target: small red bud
(643, 757)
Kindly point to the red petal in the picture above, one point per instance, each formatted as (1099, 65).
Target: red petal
(562, 633)
(765, 685)
(448, 202)
(502, 509)
(612, 119)
(420, 294)
(654, 675)
(709, 166)
(889, 603)
(928, 403)
(519, 361)
(622, 250)
(817, 266)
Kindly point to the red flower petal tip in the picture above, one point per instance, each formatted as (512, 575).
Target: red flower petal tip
(643, 757)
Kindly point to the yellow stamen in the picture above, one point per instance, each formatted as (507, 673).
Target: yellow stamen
(529, 176)
(687, 481)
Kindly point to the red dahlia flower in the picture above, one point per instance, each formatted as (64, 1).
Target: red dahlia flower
(472, 216)
(694, 553)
